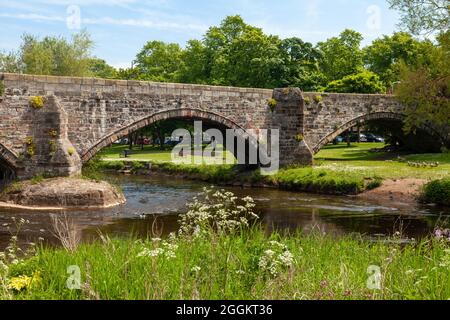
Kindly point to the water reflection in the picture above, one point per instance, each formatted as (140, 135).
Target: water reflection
(165, 197)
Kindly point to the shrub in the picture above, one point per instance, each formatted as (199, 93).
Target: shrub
(71, 151)
(136, 166)
(2, 88)
(437, 192)
(272, 103)
(374, 183)
(37, 102)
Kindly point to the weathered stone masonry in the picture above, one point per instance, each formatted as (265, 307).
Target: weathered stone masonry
(90, 114)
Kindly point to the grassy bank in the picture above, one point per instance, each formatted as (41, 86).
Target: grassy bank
(339, 169)
(238, 266)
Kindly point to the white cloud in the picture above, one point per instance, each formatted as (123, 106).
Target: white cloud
(146, 23)
(32, 17)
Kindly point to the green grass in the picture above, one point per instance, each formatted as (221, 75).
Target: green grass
(227, 267)
(359, 160)
(149, 154)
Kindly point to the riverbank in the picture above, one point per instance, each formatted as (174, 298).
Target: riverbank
(339, 170)
(59, 194)
(246, 266)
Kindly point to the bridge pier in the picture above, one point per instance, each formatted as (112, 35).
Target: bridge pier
(48, 151)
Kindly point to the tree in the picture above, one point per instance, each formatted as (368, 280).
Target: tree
(341, 56)
(423, 16)
(363, 82)
(301, 65)
(384, 55)
(194, 68)
(159, 61)
(425, 89)
(56, 56)
(99, 68)
(10, 62)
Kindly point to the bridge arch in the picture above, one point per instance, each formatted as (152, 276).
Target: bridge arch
(185, 113)
(8, 157)
(364, 119)
(8, 166)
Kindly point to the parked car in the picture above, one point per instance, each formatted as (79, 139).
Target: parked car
(354, 138)
(374, 138)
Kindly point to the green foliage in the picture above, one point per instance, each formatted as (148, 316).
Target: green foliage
(37, 102)
(113, 165)
(341, 56)
(385, 55)
(363, 82)
(137, 166)
(425, 89)
(10, 62)
(37, 179)
(307, 101)
(71, 151)
(56, 56)
(320, 181)
(299, 138)
(420, 16)
(374, 183)
(318, 98)
(30, 146)
(300, 66)
(52, 147)
(2, 88)
(159, 61)
(272, 103)
(237, 267)
(53, 133)
(437, 191)
(100, 69)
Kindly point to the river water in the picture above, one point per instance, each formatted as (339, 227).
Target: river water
(163, 198)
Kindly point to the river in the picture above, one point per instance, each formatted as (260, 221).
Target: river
(163, 198)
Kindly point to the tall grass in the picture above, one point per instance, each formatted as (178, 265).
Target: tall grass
(228, 267)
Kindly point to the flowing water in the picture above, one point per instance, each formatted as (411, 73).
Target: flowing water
(163, 198)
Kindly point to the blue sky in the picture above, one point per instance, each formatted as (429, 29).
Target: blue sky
(121, 27)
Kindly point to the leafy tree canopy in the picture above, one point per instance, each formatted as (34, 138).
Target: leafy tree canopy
(423, 16)
(363, 82)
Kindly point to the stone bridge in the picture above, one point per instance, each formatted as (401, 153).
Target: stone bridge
(80, 116)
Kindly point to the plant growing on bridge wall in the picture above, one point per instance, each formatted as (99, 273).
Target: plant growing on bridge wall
(37, 102)
(299, 138)
(318, 98)
(30, 147)
(2, 88)
(52, 147)
(53, 133)
(71, 151)
(272, 103)
(307, 101)
(286, 91)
